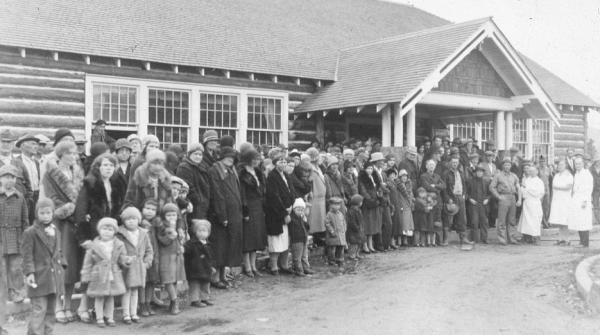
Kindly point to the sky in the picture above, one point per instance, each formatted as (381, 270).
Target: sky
(561, 35)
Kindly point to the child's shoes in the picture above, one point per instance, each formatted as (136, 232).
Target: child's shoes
(198, 304)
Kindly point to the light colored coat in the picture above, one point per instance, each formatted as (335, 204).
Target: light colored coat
(581, 215)
(135, 274)
(562, 186)
(335, 223)
(530, 222)
(104, 273)
(318, 209)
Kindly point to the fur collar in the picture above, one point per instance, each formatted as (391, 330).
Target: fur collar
(96, 248)
(142, 177)
(363, 177)
(69, 187)
(248, 179)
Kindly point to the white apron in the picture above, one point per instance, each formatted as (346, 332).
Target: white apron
(581, 215)
(562, 187)
(530, 222)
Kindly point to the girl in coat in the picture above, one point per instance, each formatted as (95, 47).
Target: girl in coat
(198, 264)
(369, 186)
(298, 229)
(139, 249)
(423, 218)
(102, 272)
(349, 180)
(170, 248)
(407, 199)
(43, 266)
(150, 222)
(392, 179)
(335, 223)
(355, 234)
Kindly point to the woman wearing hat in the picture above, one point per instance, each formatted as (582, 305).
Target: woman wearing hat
(150, 181)
(253, 188)
(194, 171)
(149, 143)
(317, 201)
(62, 183)
(333, 182)
(369, 187)
(433, 183)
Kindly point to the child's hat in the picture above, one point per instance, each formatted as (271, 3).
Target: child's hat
(177, 180)
(107, 222)
(9, 169)
(170, 207)
(197, 224)
(155, 155)
(130, 213)
(335, 200)
(421, 189)
(44, 203)
(356, 200)
(299, 203)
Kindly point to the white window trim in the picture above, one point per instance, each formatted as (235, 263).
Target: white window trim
(143, 85)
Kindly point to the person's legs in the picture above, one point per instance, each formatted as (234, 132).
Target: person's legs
(99, 307)
(297, 250)
(109, 308)
(205, 292)
(511, 219)
(49, 318)
(253, 261)
(563, 234)
(501, 221)
(339, 253)
(247, 267)
(172, 291)
(596, 207)
(483, 224)
(284, 260)
(331, 254)
(39, 308)
(474, 220)
(15, 277)
(133, 307)
(305, 263)
(194, 290)
(3, 294)
(273, 257)
(125, 304)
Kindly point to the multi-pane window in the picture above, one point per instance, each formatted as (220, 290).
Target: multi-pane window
(264, 120)
(520, 135)
(488, 133)
(219, 112)
(464, 130)
(541, 139)
(115, 104)
(168, 117)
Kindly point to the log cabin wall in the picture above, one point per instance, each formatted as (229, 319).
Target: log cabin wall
(572, 130)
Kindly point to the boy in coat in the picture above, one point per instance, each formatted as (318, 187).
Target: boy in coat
(43, 264)
(198, 264)
(355, 235)
(478, 192)
(335, 224)
(298, 229)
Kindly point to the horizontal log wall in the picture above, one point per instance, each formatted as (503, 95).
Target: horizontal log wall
(572, 132)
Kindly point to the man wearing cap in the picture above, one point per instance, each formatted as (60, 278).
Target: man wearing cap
(505, 188)
(383, 240)
(210, 139)
(23, 185)
(29, 148)
(409, 163)
(455, 192)
(99, 133)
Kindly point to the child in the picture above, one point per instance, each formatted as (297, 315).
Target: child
(479, 196)
(102, 270)
(355, 235)
(198, 264)
(335, 225)
(179, 190)
(14, 219)
(396, 240)
(422, 217)
(139, 249)
(43, 264)
(150, 221)
(170, 249)
(298, 230)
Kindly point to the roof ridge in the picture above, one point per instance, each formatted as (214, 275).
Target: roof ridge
(418, 33)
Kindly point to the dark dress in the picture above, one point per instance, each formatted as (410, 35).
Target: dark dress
(279, 198)
(225, 205)
(422, 216)
(425, 181)
(371, 207)
(196, 176)
(355, 233)
(253, 200)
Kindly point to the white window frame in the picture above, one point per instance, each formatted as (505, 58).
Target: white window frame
(165, 125)
(143, 86)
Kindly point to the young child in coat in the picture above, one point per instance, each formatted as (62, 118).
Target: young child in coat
(14, 218)
(298, 229)
(355, 235)
(149, 224)
(170, 247)
(335, 237)
(179, 191)
(139, 249)
(198, 264)
(102, 271)
(423, 218)
(43, 264)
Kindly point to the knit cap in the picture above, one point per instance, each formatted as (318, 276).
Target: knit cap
(299, 203)
(149, 138)
(107, 222)
(155, 155)
(130, 213)
(197, 224)
(44, 203)
(356, 200)
(195, 147)
(170, 208)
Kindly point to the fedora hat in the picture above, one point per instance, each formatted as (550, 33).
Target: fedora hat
(376, 157)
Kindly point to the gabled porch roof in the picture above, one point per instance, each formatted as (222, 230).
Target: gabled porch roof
(405, 68)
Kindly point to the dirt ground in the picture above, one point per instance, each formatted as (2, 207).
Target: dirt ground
(490, 290)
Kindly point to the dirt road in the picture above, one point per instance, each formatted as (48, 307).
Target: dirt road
(490, 290)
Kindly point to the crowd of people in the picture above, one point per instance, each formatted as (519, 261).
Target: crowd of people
(130, 219)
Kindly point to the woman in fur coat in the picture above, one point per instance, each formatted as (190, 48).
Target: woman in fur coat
(369, 186)
(150, 181)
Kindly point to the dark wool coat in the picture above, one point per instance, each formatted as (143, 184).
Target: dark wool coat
(62, 191)
(14, 219)
(153, 273)
(225, 205)
(413, 171)
(135, 273)
(43, 258)
(98, 270)
(350, 184)
(170, 254)
(301, 181)
(280, 197)
(449, 180)
(355, 233)
(371, 208)
(253, 200)
(478, 189)
(92, 201)
(196, 176)
(198, 260)
(298, 228)
(334, 186)
(423, 218)
(119, 182)
(140, 188)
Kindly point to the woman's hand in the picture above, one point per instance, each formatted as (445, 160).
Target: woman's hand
(287, 219)
(86, 244)
(30, 281)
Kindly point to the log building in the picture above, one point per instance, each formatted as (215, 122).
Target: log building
(277, 71)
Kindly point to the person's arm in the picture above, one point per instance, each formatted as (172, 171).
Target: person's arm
(148, 252)
(493, 186)
(27, 253)
(519, 193)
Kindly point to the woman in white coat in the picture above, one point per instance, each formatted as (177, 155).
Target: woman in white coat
(581, 214)
(318, 209)
(562, 187)
(532, 189)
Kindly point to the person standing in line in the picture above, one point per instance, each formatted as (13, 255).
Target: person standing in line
(505, 188)
(562, 186)
(455, 193)
(532, 190)
(595, 171)
(479, 194)
(581, 216)
(23, 183)
(369, 186)
(316, 218)
(28, 145)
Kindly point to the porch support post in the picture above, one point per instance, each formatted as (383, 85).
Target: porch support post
(411, 127)
(509, 129)
(500, 131)
(386, 127)
(398, 126)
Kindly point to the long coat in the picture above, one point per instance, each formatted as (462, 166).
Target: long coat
(371, 208)
(102, 272)
(62, 191)
(530, 222)
(318, 208)
(350, 185)
(279, 198)
(153, 272)
(335, 223)
(135, 273)
(92, 201)
(562, 186)
(355, 232)
(43, 258)
(170, 253)
(196, 176)
(413, 171)
(253, 200)
(14, 219)
(581, 215)
(119, 182)
(140, 189)
(225, 205)
(198, 260)
(407, 199)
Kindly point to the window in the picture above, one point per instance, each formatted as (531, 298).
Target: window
(541, 139)
(464, 130)
(264, 120)
(168, 116)
(115, 104)
(219, 112)
(520, 135)
(488, 133)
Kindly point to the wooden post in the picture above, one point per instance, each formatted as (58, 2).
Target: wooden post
(386, 127)
(320, 125)
(23, 52)
(500, 131)
(508, 124)
(411, 127)
(398, 126)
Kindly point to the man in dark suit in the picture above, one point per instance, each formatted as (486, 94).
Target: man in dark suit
(28, 145)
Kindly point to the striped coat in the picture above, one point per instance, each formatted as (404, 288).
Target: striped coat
(14, 220)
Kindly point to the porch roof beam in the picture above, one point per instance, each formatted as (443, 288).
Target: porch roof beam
(475, 102)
